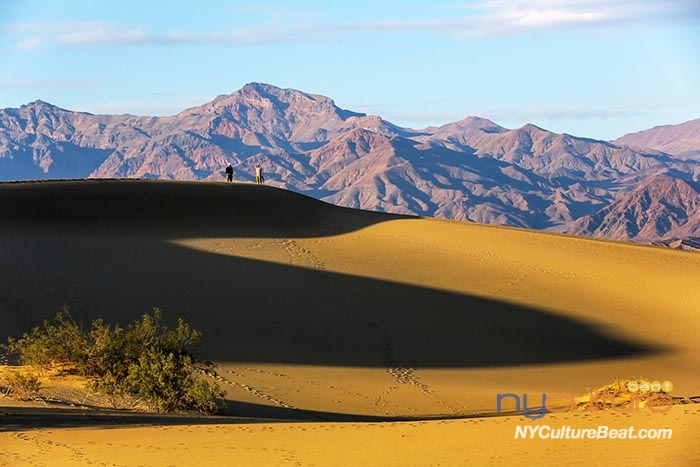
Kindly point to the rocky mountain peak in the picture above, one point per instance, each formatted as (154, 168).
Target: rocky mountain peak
(38, 105)
(531, 128)
(480, 123)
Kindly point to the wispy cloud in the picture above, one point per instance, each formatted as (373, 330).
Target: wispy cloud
(95, 33)
(48, 83)
(526, 15)
(516, 117)
(152, 104)
(578, 112)
(558, 114)
(475, 19)
(414, 119)
(266, 9)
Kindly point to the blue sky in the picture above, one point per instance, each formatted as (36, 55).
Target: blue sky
(594, 68)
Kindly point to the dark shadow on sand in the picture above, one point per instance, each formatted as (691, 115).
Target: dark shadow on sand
(14, 419)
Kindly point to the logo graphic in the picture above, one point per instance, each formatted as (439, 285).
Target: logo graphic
(651, 395)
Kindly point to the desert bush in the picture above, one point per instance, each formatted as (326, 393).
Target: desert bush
(58, 343)
(145, 360)
(23, 385)
(166, 379)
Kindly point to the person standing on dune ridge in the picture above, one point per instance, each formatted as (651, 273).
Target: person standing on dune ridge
(229, 173)
(259, 178)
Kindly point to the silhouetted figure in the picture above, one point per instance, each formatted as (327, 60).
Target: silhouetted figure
(229, 173)
(259, 179)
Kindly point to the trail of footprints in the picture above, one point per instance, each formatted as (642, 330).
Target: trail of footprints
(298, 255)
(301, 255)
(402, 375)
(45, 446)
(248, 388)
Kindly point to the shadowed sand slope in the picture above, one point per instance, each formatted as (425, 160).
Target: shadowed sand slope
(312, 309)
(182, 207)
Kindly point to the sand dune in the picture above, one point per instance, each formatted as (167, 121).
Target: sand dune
(319, 313)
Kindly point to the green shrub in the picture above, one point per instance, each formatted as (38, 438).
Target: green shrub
(53, 343)
(145, 360)
(23, 385)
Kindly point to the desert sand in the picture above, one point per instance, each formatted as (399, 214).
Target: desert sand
(345, 337)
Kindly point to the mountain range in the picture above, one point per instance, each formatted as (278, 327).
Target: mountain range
(640, 187)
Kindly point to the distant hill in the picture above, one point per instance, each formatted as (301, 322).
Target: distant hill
(662, 207)
(689, 244)
(680, 140)
(472, 169)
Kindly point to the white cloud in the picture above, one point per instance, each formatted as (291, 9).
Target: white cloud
(508, 17)
(545, 14)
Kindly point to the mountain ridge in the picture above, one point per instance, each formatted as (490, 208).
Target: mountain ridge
(659, 208)
(681, 140)
(472, 169)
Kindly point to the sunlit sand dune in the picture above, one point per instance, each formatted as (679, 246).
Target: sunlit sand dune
(324, 314)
